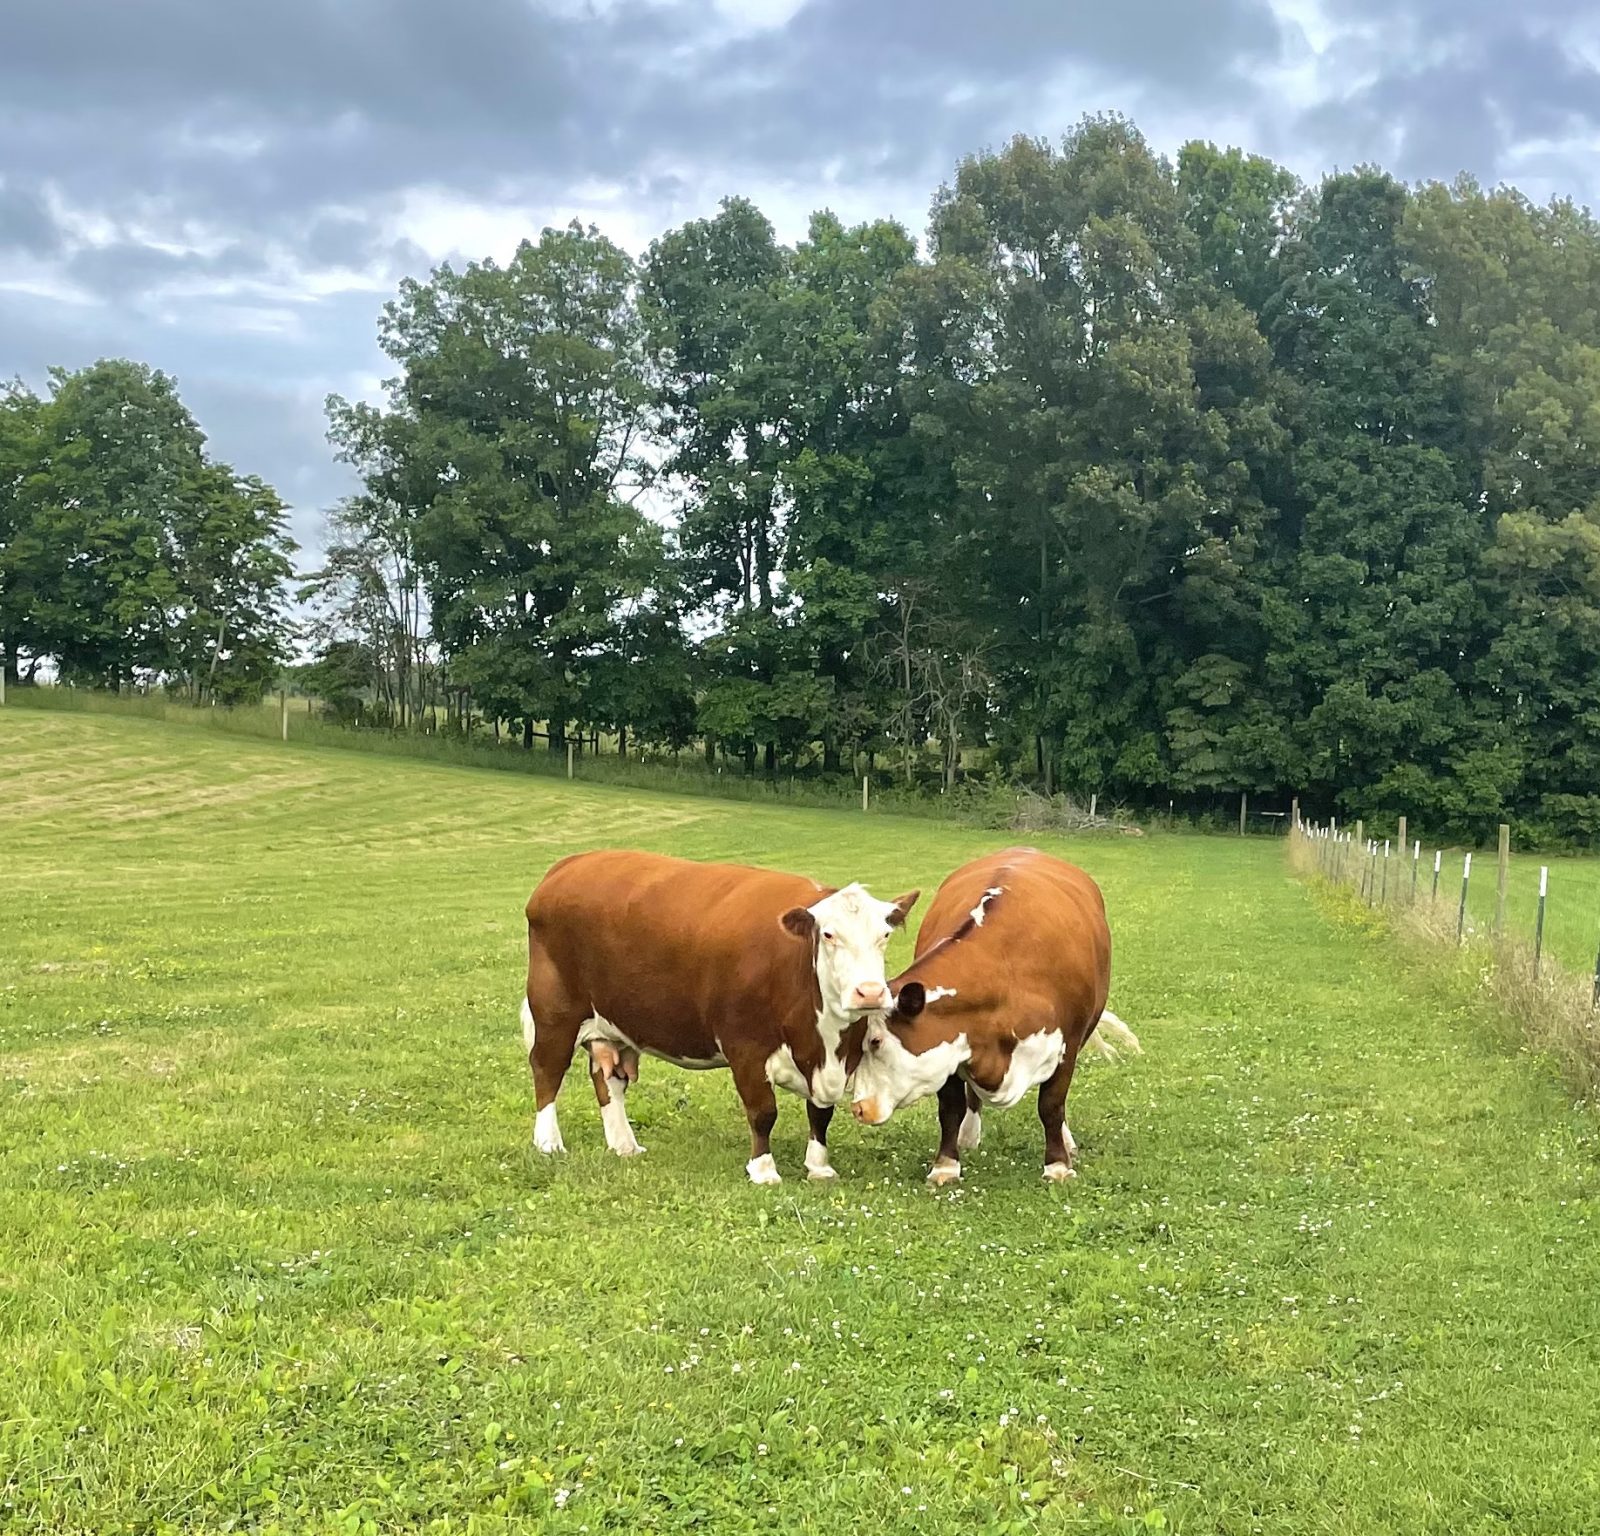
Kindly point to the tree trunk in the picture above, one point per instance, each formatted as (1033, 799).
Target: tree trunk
(770, 762)
(622, 741)
(527, 733)
(711, 751)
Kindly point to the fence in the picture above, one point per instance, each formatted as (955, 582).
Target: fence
(1558, 1007)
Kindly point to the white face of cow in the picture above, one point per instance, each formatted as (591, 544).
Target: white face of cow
(901, 1063)
(851, 931)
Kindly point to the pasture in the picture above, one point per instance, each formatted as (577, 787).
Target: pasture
(275, 1253)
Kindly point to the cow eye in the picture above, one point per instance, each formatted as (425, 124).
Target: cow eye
(828, 934)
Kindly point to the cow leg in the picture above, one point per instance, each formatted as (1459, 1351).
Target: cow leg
(952, 1110)
(971, 1122)
(1058, 1143)
(550, 1046)
(761, 1109)
(607, 1068)
(817, 1164)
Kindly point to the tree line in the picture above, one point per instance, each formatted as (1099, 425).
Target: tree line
(1152, 478)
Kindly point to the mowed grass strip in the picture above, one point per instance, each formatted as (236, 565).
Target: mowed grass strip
(275, 1252)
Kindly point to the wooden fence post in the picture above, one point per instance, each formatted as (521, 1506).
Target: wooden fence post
(1294, 812)
(569, 757)
(864, 782)
(1500, 886)
(283, 710)
(1400, 836)
(1244, 802)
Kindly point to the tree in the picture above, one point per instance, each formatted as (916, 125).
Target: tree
(1099, 420)
(128, 551)
(512, 442)
(20, 420)
(714, 297)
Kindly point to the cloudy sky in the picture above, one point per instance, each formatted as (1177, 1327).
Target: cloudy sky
(229, 189)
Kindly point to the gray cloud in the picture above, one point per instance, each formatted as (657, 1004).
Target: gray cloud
(221, 188)
(26, 222)
(1434, 87)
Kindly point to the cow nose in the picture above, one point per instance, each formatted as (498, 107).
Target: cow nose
(859, 1110)
(867, 1112)
(871, 994)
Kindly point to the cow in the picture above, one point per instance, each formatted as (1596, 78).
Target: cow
(703, 965)
(1009, 981)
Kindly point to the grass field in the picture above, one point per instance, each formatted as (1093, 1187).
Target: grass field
(275, 1252)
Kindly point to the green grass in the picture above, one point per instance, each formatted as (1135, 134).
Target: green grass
(275, 1253)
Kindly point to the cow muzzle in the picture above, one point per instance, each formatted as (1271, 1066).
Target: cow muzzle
(867, 995)
(871, 1111)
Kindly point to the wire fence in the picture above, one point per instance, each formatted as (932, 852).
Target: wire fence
(1504, 911)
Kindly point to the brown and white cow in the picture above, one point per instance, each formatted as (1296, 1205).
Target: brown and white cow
(703, 965)
(1012, 968)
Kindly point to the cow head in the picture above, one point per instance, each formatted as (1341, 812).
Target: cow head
(907, 1053)
(850, 930)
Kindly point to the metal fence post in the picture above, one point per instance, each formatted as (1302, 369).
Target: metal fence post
(1438, 858)
(1538, 927)
(1461, 916)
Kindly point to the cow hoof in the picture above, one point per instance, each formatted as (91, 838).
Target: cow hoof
(547, 1132)
(817, 1164)
(944, 1172)
(1059, 1173)
(632, 1149)
(971, 1132)
(763, 1170)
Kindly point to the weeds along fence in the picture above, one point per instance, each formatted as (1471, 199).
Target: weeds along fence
(1470, 905)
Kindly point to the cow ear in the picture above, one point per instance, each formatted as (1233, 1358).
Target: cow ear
(902, 908)
(911, 999)
(800, 921)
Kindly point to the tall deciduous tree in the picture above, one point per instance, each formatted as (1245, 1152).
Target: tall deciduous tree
(127, 550)
(514, 440)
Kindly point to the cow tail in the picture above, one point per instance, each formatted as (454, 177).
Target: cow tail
(1112, 1038)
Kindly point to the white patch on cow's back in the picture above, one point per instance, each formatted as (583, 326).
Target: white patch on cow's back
(547, 1131)
(763, 1170)
(971, 1132)
(983, 904)
(527, 1024)
(1034, 1060)
(817, 1164)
